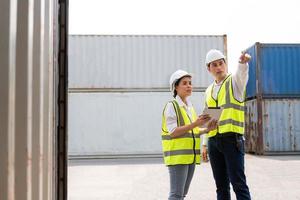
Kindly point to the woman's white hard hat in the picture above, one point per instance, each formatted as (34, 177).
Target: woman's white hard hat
(176, 76)
(213, 55)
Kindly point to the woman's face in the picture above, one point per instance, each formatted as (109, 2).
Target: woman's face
(184, 88)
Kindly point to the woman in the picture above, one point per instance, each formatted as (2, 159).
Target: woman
(181, 135)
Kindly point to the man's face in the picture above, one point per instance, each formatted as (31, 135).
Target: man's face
(218, 69)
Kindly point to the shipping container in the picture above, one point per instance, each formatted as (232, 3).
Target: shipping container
(27, 102)
(272, 126)
(118, 85)
(274, 71)
(118, 124)
(138, 61)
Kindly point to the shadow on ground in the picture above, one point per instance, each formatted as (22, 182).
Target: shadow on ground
(115, 161)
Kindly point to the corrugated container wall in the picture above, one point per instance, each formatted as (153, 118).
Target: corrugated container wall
(279, 124)
(273, 92)
(26, 102)
(274, 70)
(137, 61)
(118, 86)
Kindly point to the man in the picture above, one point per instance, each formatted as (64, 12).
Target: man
(226, 142)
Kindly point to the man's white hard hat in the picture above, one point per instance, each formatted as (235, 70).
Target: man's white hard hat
(213, 55)
(176, 76)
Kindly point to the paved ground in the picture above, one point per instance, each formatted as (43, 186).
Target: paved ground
(269, 178)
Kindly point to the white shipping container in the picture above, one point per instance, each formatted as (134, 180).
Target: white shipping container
(119, 84)
(118, 124)
(138, 61)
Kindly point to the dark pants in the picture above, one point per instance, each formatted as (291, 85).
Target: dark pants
(227, 162)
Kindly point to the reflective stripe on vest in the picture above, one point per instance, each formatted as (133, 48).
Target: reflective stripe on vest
(186, 148)
(232, 117)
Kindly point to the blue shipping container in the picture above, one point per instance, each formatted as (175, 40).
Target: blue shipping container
(274, 71)
(273, 129)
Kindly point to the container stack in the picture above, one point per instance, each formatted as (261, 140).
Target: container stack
(272, 114)
(119, 84)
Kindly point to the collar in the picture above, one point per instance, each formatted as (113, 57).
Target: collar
(181, 103)
(219, 84)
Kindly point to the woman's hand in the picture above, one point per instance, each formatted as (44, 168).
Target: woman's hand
(181, 130)
(202, 119)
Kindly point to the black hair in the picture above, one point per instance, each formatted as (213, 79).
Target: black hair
(176, 84)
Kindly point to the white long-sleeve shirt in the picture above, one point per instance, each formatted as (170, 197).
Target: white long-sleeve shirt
(170, 114)
(239, 82)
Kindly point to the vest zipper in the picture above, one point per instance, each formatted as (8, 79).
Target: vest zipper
(216, 100)
(217, 106)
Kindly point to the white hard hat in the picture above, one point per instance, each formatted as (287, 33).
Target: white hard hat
(176, 76)
(213, 55)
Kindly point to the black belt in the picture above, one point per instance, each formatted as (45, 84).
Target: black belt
(230, 134)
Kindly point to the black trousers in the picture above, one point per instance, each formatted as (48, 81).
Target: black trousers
(226, 153)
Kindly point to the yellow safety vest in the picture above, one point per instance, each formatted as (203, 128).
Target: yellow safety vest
(186, 148)
(232, 117)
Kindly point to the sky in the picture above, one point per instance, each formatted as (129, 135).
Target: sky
(243, 21)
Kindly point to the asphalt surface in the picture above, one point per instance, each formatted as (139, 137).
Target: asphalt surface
(268, 177)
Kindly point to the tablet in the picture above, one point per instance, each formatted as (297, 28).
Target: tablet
(214, 112)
